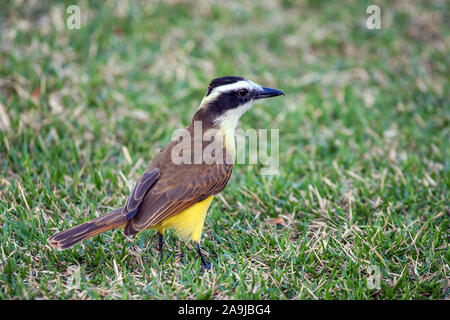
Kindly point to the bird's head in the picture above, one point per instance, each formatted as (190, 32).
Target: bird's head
(227, 99)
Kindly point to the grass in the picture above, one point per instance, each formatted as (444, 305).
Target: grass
(364, 131)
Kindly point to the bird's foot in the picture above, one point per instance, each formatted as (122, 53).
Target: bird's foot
(205, 264)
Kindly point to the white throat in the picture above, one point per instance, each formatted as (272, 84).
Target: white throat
(228, 122)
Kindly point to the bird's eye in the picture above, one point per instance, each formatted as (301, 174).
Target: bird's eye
(242, 92)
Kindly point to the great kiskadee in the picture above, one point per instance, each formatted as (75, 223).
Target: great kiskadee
(177, 196)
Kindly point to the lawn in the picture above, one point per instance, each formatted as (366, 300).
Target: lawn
(359, 209)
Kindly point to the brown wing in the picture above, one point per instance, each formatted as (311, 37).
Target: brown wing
(147, 179)
(178, 188)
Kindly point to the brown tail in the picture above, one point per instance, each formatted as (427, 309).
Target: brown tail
(68, 238)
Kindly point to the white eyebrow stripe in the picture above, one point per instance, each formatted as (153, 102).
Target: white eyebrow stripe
(243, 84)
(233, 86)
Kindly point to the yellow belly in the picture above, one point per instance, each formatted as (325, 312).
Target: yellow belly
(188, 224)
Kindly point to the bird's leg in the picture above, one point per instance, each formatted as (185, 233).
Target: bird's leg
(205, 264)
(160, 246)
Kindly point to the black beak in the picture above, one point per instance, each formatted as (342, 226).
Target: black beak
(268, 93)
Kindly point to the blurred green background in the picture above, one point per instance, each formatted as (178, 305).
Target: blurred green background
(364, 131)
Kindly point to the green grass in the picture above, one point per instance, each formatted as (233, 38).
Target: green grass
(364, 157)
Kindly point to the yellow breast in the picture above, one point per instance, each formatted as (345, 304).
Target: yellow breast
(188, 224)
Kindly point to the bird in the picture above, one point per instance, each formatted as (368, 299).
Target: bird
(171, 195)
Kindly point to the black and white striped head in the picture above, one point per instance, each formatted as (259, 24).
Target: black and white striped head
(229, 97)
